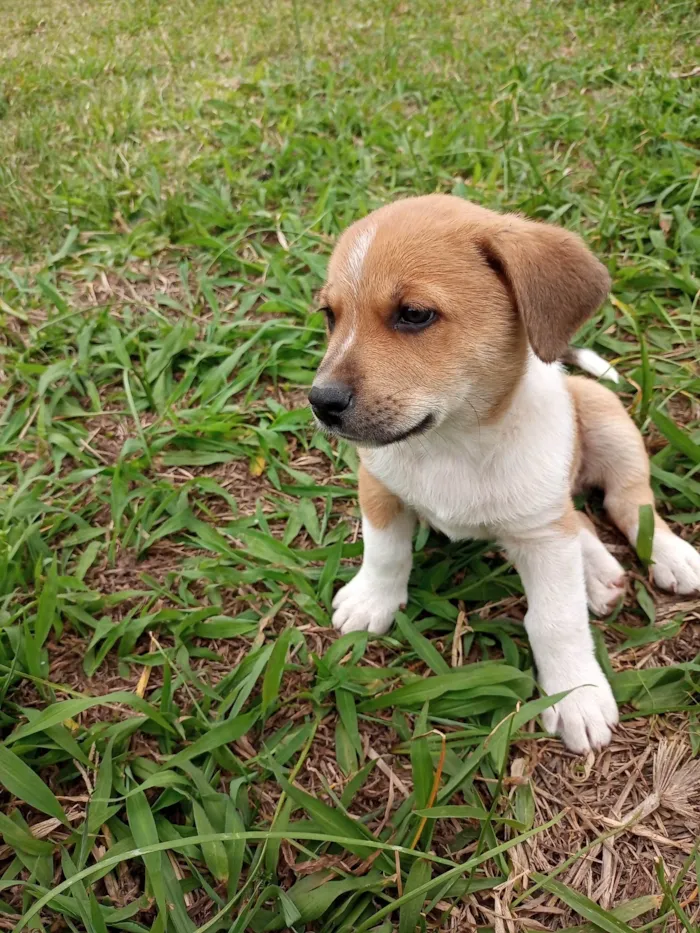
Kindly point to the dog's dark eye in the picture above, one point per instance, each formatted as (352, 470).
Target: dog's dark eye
(414, 318)
(330, 319)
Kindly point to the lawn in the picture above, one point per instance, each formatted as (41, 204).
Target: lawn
(186, 744)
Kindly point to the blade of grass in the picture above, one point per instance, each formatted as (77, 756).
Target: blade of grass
(110, 862)
(584, 906)
(22, 781)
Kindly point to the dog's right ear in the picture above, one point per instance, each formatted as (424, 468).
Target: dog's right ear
(555, 280)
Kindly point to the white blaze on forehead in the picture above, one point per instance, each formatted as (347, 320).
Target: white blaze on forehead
(357, 255)
(337, 353)
(352, 274)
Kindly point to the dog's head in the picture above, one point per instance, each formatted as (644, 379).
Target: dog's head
(431, 304)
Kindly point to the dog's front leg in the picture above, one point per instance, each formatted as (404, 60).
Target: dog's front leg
(550, 564)
(369, 602)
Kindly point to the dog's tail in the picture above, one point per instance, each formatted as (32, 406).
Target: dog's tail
(591, 363)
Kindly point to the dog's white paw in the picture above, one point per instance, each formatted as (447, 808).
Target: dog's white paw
(605, 581)
(676, 564)
(586, 717)
(367, 604)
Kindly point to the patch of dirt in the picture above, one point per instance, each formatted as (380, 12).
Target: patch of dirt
(644, 790)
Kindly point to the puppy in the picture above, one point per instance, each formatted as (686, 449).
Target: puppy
(446, 324)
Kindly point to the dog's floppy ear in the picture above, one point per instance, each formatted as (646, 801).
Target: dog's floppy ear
(555, 281)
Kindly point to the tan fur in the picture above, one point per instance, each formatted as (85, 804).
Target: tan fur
(577, 454)
(556, 281)
(378, 505)
(585, 523)
(568, 524)
(613, 456)
(425, 252)
(496, 280)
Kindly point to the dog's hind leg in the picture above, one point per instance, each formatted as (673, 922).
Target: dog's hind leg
(605, 577)
(613, 458)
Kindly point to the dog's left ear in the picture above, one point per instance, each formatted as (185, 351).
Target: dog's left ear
(555, 280)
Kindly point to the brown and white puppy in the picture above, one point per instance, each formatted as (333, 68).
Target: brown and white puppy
(446, 323)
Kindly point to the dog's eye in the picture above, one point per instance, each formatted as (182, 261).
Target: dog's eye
(330, 319)
(414, 318)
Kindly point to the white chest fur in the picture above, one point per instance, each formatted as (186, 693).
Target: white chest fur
(509, 477)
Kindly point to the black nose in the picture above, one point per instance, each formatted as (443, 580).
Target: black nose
(329, 401)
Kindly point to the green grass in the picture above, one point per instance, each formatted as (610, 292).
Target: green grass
(172, 530)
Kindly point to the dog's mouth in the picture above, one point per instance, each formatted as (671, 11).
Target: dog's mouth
(377, 438)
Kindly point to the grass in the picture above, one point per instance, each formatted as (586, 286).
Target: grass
(186, 745)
